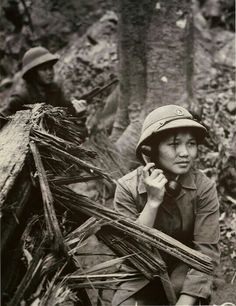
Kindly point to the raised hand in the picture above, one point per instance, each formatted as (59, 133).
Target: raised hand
(155, 181)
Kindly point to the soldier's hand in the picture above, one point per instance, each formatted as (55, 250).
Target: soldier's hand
(79, 105)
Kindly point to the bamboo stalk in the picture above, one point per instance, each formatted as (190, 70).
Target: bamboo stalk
(52, 224)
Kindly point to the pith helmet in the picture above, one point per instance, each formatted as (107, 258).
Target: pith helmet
(165, 118)
(35, 57)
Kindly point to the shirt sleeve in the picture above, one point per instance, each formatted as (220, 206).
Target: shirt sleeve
(124, 202)
(19, 96)
(14, 103)
(206, 238)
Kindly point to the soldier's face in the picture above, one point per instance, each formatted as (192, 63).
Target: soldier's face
(45, 73)
(176, 153)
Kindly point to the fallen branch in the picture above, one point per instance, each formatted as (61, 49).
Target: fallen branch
(52, 224)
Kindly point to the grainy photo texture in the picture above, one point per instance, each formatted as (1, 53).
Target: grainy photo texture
(117, 152)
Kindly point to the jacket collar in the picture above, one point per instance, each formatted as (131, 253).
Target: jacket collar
(186, 180)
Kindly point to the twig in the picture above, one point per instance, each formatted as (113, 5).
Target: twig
(233, 278)
(232, 200)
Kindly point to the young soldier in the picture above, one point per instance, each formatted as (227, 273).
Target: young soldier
(169, 194)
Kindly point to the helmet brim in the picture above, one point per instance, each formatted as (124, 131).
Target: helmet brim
(38, 61)
(155, 129)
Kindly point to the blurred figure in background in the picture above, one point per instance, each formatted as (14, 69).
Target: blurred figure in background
(38, 85)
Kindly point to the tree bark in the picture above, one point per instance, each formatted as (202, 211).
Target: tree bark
(15, 182)
(155, 44)
(14, 140)
(169, 60)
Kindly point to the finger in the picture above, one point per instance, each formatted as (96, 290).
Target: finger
(156, 173)
(163, 181)
(146, 158)
(147, 169)
(80, 105)
(148, 166)
(160, 183)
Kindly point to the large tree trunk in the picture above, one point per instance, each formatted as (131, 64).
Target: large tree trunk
(156, 64)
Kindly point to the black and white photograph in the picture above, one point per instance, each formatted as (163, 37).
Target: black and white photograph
(117, 153)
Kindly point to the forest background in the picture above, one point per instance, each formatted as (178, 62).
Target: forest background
(86, 33)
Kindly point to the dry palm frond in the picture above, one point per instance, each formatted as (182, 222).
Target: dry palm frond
(58, 121)
(57, 135)
(103, 266)
(142, 257)
(53, 227)
(63, 164)
(129, 228)
(58, 293)
(60, 159)
(61, 143)
(65, 180)
(101, 280)
(76, 160)
(88, 228)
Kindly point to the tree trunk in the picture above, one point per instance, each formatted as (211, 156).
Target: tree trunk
(155, 64)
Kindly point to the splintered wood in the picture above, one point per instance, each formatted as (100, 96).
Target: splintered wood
(14, 142)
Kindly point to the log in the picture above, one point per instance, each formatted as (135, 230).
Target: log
(14, 140)
(15, 181)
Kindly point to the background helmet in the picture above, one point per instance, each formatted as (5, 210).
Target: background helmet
(35, 57)
(166, 118)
